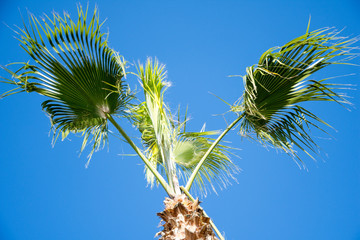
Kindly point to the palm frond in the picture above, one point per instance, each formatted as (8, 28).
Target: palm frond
(165, 138)
(141, 120)
(152, 119)
(217, 170)
(275, 88)
(76, 69)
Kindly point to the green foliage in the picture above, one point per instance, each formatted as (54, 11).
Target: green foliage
(151, 118)
(82, 78)
(275, 88)
(76, 69)
(166, 140)
(217, 169)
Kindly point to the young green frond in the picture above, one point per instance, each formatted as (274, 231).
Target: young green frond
(141, 120)
(172, 150)
(280, 82)
(74, 67)
(153, 120)
(218, 168)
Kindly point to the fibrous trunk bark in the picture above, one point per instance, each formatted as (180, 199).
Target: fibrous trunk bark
(183, 219)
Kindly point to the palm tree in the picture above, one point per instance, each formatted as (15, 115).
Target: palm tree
(83, 81)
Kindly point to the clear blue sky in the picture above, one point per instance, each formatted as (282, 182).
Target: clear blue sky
(47, 193)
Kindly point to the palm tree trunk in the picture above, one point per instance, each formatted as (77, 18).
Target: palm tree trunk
(184, 219)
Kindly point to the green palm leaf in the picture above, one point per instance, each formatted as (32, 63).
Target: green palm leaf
(74, 66)
(218, 168)
(275, 88)
(167, 142)
(152, 120)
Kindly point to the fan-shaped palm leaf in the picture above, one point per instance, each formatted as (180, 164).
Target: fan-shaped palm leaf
(280, 82)
(218, 167)
(78, 71)
(275, 87)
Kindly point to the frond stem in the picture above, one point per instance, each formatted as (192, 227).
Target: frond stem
(201, 162)
(161, 180)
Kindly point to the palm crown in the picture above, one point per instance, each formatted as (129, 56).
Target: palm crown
(83, 79)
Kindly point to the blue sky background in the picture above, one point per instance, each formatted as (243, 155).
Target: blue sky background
(47, 193)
